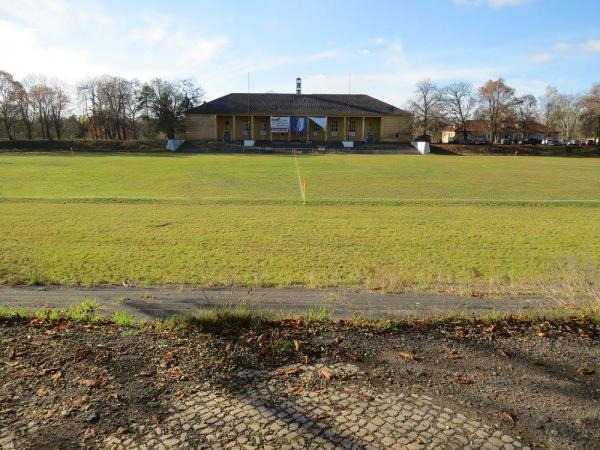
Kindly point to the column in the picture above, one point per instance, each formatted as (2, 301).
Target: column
(363, 129)
(326, 127)
(233, 129)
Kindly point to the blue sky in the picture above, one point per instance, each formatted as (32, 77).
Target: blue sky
(386, 46)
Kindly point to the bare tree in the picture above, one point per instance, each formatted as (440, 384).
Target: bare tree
(459, 103)
(547, 108)
(569, 109)
(496, 103)
(591, 113)
(9, 109)
(59, 103)
(427, 106)
(526, 114)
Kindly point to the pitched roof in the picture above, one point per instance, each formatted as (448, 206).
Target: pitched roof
(294, 104)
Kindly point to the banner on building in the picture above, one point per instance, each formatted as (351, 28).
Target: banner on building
(280, 124)
(299, 125)
(321, 121)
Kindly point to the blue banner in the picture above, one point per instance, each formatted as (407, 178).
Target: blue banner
(299, 124)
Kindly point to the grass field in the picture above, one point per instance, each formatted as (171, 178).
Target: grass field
(434, 223)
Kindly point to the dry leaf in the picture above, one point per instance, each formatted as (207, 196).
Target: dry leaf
(288, 371)
(454, 355)
(89, 433)
(506, 415)
(297, 345)
(408, 355)
(79, 401)
(11, 353)
(502, 353)
(541, 333)
(122, 430)
(464, 381)
(326, 373)
(90, 383)
(229, 347)
(56, 376)
(585, 371)
(41, 392)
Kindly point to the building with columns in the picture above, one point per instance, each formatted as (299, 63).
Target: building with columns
(318, 118)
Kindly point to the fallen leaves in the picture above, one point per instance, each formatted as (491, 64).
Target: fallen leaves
(502, 353)
(326, 373)
(167, 359)
(464, 381)
(41, 392)
(454, 354)
(90, 383)
(585, 371)
(408, 355)
(297, 345)
(288, 371)
(507, 416)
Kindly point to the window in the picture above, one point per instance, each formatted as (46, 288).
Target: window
(352, 126)
(316, 129)
(245, 127)
(334, 126)
(263, 128)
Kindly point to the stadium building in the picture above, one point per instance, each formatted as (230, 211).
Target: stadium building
(319, 118)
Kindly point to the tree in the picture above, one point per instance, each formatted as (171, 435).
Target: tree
(547, 108)
(526, 114)
(459, 103)
(59, 102)
(496, 102)
(144, 100)
(169, 102)
(9, 109)
(591, 112)
(427, 106)
(569, 109)
(24, 108)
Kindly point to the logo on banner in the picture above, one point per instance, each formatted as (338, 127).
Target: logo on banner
(299, 124)
(280, 124)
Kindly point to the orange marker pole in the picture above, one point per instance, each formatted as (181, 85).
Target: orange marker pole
(304, 186)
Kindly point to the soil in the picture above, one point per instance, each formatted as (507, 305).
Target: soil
(76, 384)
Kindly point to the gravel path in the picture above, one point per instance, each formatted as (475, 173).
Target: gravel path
(160, 302)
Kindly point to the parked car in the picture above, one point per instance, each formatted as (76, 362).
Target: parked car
(552, 142)
(481, 141)
(530, 141)
(573, 143)
(590, 142)
(506, 141)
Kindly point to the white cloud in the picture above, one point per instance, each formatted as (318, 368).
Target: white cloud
(561, 47)
(72, 41)
(364, 51)
(492, 3)
(395, 53)
(591, 46)
(380, 41)
(540, 58)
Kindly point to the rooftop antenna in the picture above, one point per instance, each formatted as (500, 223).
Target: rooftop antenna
(348, 106)
(249, 119)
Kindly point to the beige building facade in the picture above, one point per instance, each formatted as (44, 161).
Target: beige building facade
(328, 118)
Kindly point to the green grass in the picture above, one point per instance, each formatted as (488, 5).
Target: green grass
(435, 223)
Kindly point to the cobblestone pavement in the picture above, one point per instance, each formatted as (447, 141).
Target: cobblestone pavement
(266, 410)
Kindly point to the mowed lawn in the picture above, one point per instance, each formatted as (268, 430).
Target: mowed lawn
(376, 221)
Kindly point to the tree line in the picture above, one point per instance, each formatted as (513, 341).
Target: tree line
(503, 113)
(105, 107)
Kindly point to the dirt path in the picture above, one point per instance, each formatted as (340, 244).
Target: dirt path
(291, 385)
(151, 303)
